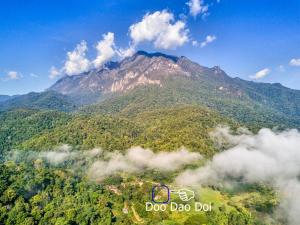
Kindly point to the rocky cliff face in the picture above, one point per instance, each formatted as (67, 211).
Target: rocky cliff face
(140, 69)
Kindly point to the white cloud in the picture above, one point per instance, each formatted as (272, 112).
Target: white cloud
(164, 161)
(260, 74)
(268, 157)
(55, 157)
(174, 36)
(105, 50)
(137, 159)
(101, 169)
(77, 62)
(13, 75)
(195, 43)
(59, 155)
(160, 28)
(53, 72)
(94, 152)
(197, 7)
(103, 164)
(34, 75)
(126, 52)
(295, 62)
(208, 39)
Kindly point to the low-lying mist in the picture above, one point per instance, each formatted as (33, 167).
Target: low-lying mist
(100, 164)
(269, 157)
(137, 159)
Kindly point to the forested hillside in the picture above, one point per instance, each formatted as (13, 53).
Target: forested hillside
(180, 91)
(36, 190)
(90, 149)
(22, 124)
(45, 100)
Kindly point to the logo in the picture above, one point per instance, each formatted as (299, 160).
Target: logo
(161, 200)
(161, 194)
(184, 194)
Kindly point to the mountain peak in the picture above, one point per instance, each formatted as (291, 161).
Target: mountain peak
(156, 54)
(142, 68)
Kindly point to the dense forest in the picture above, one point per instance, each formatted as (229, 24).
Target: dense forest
(36, 190)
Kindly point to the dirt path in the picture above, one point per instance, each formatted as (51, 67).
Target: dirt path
(136, 215)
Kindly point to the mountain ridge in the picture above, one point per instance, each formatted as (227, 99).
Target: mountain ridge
(39, 100)
(147, 81)
(140, 69)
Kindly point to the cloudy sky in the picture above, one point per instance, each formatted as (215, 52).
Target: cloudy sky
(40, 41)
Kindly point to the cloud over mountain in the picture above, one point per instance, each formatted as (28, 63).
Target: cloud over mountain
(105, 49)
(161, 28)
(77, 62)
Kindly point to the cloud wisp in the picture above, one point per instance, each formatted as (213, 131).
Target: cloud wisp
(295, 62)
(197, 7)
(100, 164)
(267, 156)
(209, 39)
(54, 72)
(260, 74)
(13, 75)
(58, 155)
(137, 159)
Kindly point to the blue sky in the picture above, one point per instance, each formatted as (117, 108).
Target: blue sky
(258, 39)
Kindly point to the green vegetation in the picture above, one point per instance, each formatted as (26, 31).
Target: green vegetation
(160, 130)
(35, 192)
(22, 124)
(45, 100)
(181, 114)
(247, 105)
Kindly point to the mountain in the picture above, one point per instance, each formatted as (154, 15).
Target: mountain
(148, 81)
(3, 98)
(44, 100)
(159, 102)
(140, 69)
